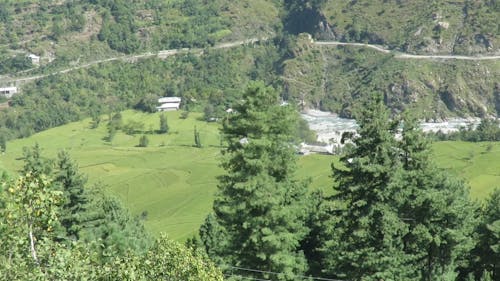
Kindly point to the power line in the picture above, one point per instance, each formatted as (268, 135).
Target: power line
(249, 278)
(276, 273)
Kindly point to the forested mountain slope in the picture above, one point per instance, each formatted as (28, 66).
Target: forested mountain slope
(69, 34)
(74, 31)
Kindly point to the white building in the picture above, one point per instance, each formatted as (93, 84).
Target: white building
(169, 103)
(8, 92)
(34, 59)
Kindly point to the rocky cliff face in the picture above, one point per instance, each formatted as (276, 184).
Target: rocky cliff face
(335, 78)
(417, 26)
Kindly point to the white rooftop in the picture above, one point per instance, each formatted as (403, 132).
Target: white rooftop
(169, 100)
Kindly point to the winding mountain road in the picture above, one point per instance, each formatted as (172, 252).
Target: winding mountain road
(400, 55)
(163, 54)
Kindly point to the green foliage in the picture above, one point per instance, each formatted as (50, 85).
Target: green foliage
(147, 103)
(143, 141)
(108, 222)
(209, 113)
(3, 144)
(364, 243)
(133, 127)
(163, 124)
(29, 216)
(335, 78)
(71, 182)
(119, 33)
(399, 217)
(259, 205)
(197, 140)
(486, 254)
(111, 134)
(415, 25)
(34, 162)
(116, 121)
(96, 120)
(29, 252)
(15, 64)
(319, 223)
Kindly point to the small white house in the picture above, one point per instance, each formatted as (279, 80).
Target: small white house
(8, 92)
(34, 59)
(169, 103)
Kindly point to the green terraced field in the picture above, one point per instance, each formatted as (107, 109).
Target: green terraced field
(174, 182)
(476, 163)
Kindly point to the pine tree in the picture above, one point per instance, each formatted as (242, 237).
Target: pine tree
(3, 143)
(434, 208)
(163, 124)
(108, 222)
(34, 162)
(71, 182)
(213, 238)
(259, 207)
(399, 217)
(197, 140)
(143, 141)
(486, 253)
(365, 241)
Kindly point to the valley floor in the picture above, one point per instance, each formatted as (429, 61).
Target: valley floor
(171, 183)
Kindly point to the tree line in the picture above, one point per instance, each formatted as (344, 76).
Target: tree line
(487, 130)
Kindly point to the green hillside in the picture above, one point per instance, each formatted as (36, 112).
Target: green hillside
(50, 27)
(70, 34)
(172, 183)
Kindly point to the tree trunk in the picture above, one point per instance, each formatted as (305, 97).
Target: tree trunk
(32, 243)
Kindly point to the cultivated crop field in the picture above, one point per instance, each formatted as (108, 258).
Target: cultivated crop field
(171, 183)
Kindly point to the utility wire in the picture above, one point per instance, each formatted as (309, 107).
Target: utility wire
(249, 278)
(276, 273)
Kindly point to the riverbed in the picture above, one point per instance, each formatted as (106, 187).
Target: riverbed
(329, 126)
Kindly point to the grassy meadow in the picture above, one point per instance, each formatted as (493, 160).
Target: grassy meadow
(173, 183)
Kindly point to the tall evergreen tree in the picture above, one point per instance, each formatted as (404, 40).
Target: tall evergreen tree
(259, 206)
(434, 208)
(365, 244)
(486, 253)
(71, 182)
(399, 217)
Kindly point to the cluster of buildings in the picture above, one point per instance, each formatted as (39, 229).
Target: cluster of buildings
(8, 92)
